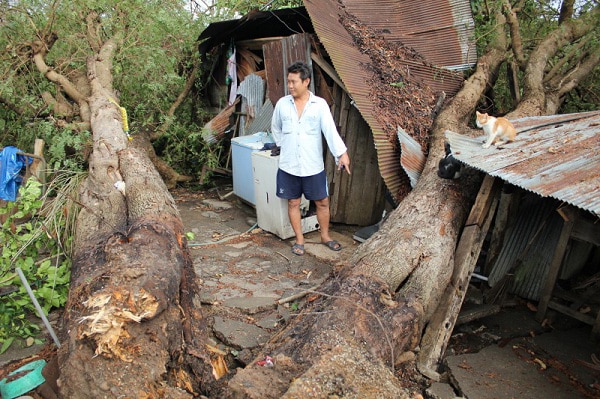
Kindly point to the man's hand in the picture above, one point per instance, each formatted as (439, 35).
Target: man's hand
(344, 163)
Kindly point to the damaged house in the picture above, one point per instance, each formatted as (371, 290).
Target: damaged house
(532, 248)
(249, 57)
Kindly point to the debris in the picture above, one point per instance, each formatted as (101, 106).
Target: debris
(267, 362)
(219, 367)
(542, 364)
(297, 296)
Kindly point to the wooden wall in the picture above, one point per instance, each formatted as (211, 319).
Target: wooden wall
(357, 199)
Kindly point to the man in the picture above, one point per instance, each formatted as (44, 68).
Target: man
(298, 121)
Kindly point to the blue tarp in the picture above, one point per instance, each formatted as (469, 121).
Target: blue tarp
(11, 164)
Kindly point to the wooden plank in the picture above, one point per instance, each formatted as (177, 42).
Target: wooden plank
(38, 166)
(500, 224)
(482, 204)
(559, 254)
(257, 44)
(584, 230)
(587, 319)
(328, 69)
(438, 332)
(477, 313)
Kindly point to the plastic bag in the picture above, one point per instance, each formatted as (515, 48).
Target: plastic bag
(11, 164)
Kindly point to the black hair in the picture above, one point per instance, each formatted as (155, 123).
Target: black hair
(301, 68)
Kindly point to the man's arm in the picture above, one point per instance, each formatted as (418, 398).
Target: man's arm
(276, 125)
(335, 143)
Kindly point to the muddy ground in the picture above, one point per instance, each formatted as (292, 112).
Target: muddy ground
(252, 284)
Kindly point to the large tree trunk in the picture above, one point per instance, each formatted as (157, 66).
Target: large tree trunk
(126, 315)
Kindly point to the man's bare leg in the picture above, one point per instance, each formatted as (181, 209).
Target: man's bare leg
(295, 219)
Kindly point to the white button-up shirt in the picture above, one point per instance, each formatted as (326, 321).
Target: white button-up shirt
(300, 138)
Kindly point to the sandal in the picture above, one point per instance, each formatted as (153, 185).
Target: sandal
(298, 249)
(333, 245)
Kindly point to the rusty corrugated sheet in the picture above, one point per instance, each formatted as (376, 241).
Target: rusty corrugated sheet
(528, 248)
(215, 129)
(412, 158)
(554, 156)
(440, 30)
(347, 60)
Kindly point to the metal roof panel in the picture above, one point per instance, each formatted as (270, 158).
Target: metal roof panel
(554, 156)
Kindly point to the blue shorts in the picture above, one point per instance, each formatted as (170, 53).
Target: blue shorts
(292, 187)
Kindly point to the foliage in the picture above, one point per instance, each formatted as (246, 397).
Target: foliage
(35, 238)
(186, 150)
(227, 9)
(536, 21)
(149, 67)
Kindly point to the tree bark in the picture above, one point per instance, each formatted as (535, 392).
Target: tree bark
(126, 320)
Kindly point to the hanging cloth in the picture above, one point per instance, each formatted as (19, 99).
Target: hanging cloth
(11, 164)
(231, 77)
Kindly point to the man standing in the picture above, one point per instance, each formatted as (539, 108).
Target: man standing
(298, 121)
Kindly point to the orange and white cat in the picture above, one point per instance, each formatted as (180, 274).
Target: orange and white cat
(498, 130)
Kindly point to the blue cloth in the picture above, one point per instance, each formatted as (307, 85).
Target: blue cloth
(10, 172)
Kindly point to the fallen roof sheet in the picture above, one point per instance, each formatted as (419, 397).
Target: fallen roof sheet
(441, 30)
(351, 65)
(554, 156)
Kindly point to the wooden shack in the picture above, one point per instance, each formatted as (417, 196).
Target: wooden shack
(264, 44)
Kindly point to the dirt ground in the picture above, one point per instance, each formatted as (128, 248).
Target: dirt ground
(252, 284)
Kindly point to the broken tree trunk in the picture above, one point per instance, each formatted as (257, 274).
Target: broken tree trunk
(129, 307)
(361, 327)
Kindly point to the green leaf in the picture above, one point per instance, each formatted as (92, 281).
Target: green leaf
(7, 343)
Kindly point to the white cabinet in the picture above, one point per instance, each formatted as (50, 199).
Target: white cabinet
(271, 211)
(241, 164)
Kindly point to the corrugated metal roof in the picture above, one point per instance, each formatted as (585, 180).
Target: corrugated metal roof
(554, 156)
(347, 60)
(440, 30)
(412, 158)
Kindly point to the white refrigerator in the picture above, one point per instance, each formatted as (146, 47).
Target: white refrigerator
(271, 211)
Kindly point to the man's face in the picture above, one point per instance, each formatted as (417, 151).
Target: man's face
(296, 86)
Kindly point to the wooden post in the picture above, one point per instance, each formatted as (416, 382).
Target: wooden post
(559, 253)
(506, 202)
(38, 166)
(439, 330)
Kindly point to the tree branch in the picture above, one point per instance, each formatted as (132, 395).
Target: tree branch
(191, 80)
(93, 28)
(534, 98)
(515, 35)
(39, 50)
(572, 79)
(574, 53)
(566, 11)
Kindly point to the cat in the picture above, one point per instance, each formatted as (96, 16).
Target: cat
(449, 167)
(498, 130)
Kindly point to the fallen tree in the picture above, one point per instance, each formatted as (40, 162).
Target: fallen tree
(128, 325)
